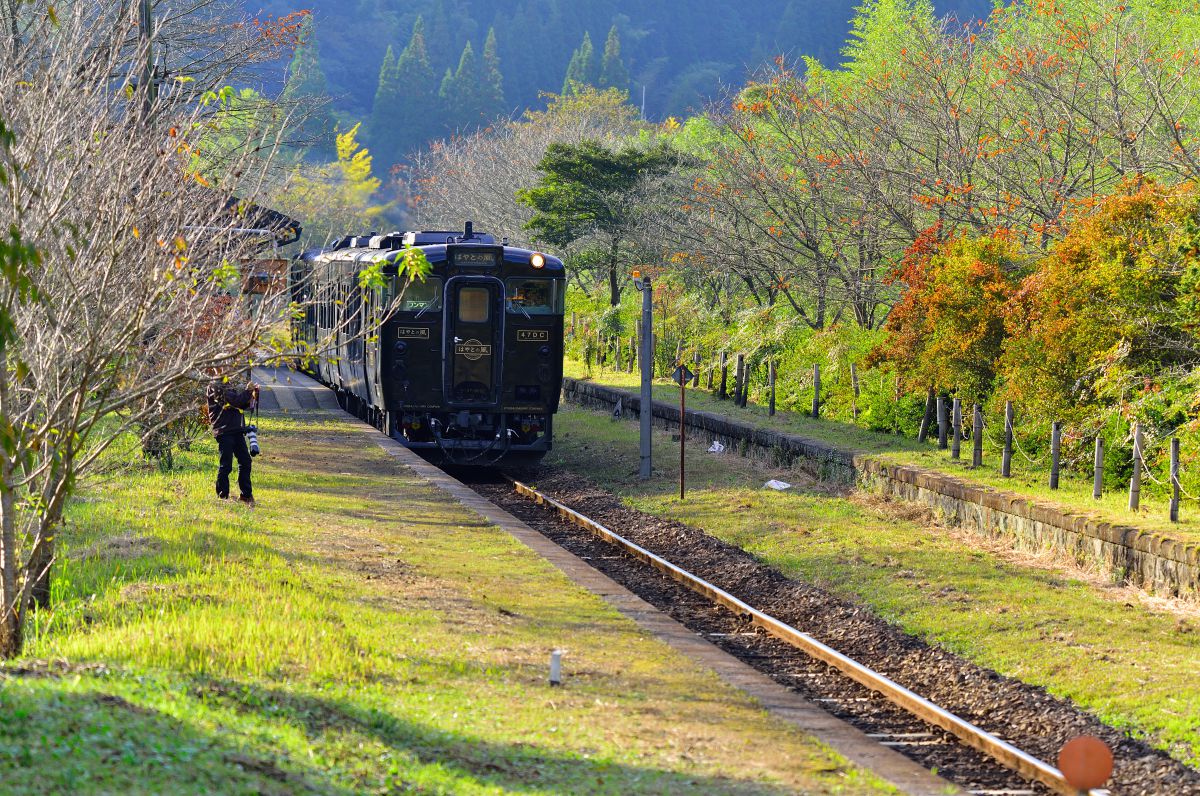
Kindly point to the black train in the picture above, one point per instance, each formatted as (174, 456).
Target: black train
(469, 366)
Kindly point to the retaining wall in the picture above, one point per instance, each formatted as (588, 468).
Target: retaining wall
(1152, 561)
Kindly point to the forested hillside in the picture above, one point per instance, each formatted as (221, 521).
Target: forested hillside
(674, 54)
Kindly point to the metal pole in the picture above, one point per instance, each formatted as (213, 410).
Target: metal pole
(682, 423)
(647, 362)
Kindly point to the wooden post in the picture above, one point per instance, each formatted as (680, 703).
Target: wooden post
(696, 360)
(723, 393)
(632, 353)
(943, 423)
(1135, 483)
(1098, 470)
(620, 365)
(977, 436)
(956, 428)
(927, 418)
(738, 375)
(771, 386)
(816, 406)
(1174, 479)
(1055, 452)
(747, 373)
(1006, 460)
(854, 385)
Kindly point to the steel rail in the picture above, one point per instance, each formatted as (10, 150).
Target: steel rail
(1003, 752)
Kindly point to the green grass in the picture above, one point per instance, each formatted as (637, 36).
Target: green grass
(1127, 659)
(357, 633)
(1030, 478)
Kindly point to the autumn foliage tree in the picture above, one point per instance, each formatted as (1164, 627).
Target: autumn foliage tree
(1111, 312)
(947, 332)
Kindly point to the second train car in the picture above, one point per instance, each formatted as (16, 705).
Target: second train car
(465, 365)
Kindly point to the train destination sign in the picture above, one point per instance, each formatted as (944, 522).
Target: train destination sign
(475, 257)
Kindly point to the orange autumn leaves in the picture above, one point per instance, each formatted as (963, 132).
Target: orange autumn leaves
(1109, 310)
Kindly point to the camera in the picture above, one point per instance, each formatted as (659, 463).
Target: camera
(252, 440)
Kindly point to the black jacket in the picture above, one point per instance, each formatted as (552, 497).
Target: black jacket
(225, 407)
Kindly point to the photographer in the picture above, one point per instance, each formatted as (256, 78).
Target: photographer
(226, 404)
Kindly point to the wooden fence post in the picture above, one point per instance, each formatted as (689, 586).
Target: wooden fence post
(1055, 452)
(771, 386)
(956, 423)
(1006, 461)
(977, 436)
(927, 418)
(696, 360)
(1135, 483)
(854, 385)
(739, 374)
(633, 353)
(747, 374)
(723, 393)
(1098, 469)
(943, 423)
(620, 364)
(1174, 479)
(816, 406)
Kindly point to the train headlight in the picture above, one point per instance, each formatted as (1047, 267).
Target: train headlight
(537, 260)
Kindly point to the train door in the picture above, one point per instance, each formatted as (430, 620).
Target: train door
(473, 348)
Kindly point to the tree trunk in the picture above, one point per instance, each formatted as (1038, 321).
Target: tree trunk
(614, 277)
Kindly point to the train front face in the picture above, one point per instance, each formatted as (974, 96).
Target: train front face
(473, 358)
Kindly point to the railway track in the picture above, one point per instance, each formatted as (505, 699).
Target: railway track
(960, 750)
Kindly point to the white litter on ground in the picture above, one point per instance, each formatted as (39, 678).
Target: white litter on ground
(716, 447)
(777, 485)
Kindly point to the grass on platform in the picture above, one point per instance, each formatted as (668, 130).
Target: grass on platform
(1029, 478)
(1126, 660)
(356, 633)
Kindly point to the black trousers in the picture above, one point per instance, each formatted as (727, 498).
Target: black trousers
(233, 446)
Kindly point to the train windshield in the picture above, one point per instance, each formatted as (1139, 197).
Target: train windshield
(421, 296)
(535, 297)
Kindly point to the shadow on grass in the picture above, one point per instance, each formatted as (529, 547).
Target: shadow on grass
(55, 742)
(516, 766)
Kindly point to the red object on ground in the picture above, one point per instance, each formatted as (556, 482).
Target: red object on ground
(1086, 762)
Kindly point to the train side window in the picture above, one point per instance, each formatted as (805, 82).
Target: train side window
(473, 304)
(422, 295)
(534, 296)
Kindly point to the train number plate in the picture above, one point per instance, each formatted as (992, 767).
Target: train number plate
(412, 333)
(532, 335)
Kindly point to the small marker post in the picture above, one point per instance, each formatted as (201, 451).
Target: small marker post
(682, 376)
(556, 667)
